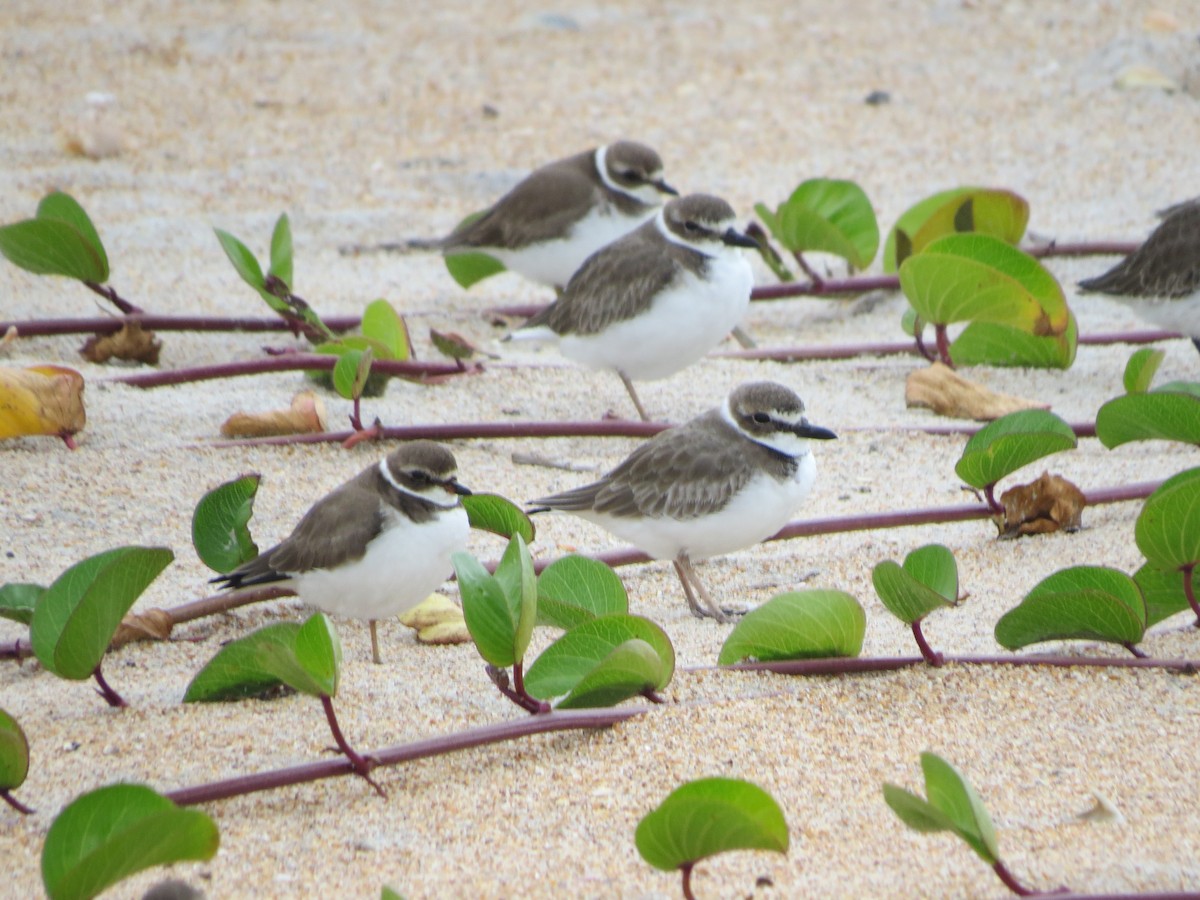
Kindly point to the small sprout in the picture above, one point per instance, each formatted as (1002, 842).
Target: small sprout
(77, 616)
(350, 375)
(220, 525)
(602, 662)
(952, 806)
(1139, 371)
(499, 515)
(928, 580)
(576, 589)
(60, 240)
(1005, 445)
(828, 215)
(1080, 603)
(1000, 213)
(14, 761)
(708, 816)
(108, 834)
(1170, 412)
(1167, 530)
(41, 400)
(798, 625)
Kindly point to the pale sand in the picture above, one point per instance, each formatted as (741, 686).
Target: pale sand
(367, 124)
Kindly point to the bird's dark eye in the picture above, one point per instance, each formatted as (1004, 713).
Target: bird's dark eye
(419, 477)
(690, 227)
(630, 175)
(761, 418)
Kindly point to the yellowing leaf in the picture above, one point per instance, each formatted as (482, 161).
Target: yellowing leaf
(41, 400)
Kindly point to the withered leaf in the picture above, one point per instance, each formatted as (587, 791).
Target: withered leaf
(1042, 507)
(947, 393)
(437, 620)
(455, 346)
(306, 415)
(131, 343)
(41, 400)
(152, 625)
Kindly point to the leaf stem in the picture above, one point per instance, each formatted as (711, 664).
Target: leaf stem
(685, 870)
(1010, 882)
(943, 344)
(110, 294)
(1189, 589)
(153, 322)
(111, 697)
(517, 693)
(927, 652)
(15, 803)
(362, 764)
(989, 491)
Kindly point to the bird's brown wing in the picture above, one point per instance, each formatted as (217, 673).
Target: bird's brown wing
(1166, 265)
(335, 531)
(683, 473)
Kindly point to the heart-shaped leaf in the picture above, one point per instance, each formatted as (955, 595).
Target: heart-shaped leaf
(990, 344)
(1163, 591)
(702, 818)
(350, 372)
(575, 589)
(1161, 414)
(109, 834)
(500, 610)
(381, 322)
(829, 215)
(60, 240)
(927, 581)
(1083, 602)
(18, 600)
(1000, 213)
(953, 805)
(77, 616)
(237, 670)
(14, 753)
(570, 659)
(470, 268)
(1010, 442)
(220, 531)
(798, 625)
(499, 515)
(631, 669)
(1168, 528)
(281, 250)
(979, 278)
(1139, 371)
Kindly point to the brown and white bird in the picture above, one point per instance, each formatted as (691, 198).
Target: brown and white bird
(562, 213)
(726, 480)
(1161, 279)
(375, 546)
(655, 301)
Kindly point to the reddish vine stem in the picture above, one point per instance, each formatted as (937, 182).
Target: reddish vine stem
(1189, 590)
(110, 294)
(927, 653)
(152, 322)
(362, 764)
(1011, 882)
(685, 871)
(289, 362)
(845, 665)
(111, 697)
(563, 720)
(15, 803)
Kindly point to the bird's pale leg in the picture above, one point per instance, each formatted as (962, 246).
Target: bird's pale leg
(683, 567)
(633, 396)
(375, 644)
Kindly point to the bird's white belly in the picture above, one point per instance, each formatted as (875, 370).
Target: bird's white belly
(680, 326)
(1180, 314)
(554, 262)
(401, 568)
(758, 511)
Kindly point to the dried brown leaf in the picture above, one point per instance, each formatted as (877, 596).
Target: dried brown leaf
(947, 393)
(437, 620)
(455, 346)
(151, 625)
(1041, 507)
(41, 400)
(131, 343)
(306, 415)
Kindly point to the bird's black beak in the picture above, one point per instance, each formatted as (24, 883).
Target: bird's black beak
(664, 188)
(460, 489)
(815, 432)
(735, 238)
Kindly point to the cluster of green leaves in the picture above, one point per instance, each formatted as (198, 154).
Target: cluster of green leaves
(1009, 443)
(384, 337)
(1169, 412)
(825, 215)
(604, 656)
(72, 622)
(708, 816)
(59, 240)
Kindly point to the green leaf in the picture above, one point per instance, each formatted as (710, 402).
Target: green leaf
(1168, 527)
(702, 818)
(1153, 415)
(245, 264)
(949, 792)
(350, 372)
(569, 660)
(499, 515)
(1010, 442)
(515, 575)
(1163, 592)
(18, 600)
(390, 893)
(916, 812)
(575, 589)
(469, 268)
(631, 669)
(486, 611)
(319, 652)
(109, 834)
(829, 215)
(1139, 371)
(986, 343)
(48, 247)
(1002, 214)
(61, 207)
(1083, 602)
(281, 250)
(237, 670)
(979, 278)
(77, 616)
(798, 625)
(927, 581)
(14, 753)
(220, 531)
(381, 323)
